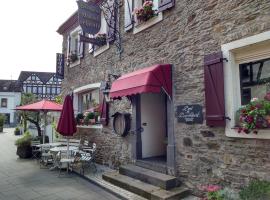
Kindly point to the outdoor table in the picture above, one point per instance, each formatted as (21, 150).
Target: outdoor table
(55, 150)
(55, 144)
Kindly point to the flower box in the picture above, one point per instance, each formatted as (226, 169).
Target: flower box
(145, 12)
(254, 116)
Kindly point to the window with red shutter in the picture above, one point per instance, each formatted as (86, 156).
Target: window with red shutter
(214, 90)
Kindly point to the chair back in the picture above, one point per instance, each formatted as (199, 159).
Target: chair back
(35, 143)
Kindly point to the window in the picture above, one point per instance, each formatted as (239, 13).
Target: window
(254, 80)
(74, 47)
(103, 30)
(48, 90)
(40, 89)
(35, 89)
(246, 75)
(28, 89)
(88, 100)
(4, 102)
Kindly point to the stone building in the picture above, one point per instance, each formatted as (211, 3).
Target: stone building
(214, 51)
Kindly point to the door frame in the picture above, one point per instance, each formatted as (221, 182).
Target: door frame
(137, 137)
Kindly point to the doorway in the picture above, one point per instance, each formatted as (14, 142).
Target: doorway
(153, 121)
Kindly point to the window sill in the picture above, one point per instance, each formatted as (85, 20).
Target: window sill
(74, 64)
(101, 49)
(262, 134)
(96, 126)
(142, 26)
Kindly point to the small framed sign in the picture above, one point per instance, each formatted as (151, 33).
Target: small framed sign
(189, 114)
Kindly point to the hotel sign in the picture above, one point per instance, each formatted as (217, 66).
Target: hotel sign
(89, 14)
(60, 65)
(189, 114)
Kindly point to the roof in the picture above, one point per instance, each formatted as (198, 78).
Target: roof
(43, 76)
(73, 19)
(9, 86)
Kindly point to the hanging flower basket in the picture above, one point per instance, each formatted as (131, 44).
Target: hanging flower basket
(145, 12)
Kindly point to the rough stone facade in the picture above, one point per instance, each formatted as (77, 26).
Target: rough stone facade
(187, 32)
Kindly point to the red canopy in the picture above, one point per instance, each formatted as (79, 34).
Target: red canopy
(67, 125)
(151, 79)
(44, 105)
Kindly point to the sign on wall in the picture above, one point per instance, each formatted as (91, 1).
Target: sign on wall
(189, 114)
(89, 14)
(60, 63)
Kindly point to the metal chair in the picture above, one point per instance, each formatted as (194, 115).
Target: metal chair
(46, 157)
(88, 159)
(35, 149)
(65, 161)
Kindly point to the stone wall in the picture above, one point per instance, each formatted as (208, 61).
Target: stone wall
(112, 150)
(187, 32)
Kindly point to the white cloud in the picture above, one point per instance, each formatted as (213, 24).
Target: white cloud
(28, 37)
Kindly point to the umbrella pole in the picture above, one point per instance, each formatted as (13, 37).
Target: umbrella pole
(45, 124)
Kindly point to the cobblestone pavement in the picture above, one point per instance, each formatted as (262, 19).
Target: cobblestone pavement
(23, 179)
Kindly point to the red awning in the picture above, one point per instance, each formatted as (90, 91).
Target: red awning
(148, 80)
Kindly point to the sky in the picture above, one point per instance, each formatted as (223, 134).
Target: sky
(28, 37)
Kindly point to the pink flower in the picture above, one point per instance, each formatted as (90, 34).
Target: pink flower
(148, 4)
(213, 188)
(254, 99)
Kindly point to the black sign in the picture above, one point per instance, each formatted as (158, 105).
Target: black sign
(89, 14)
(60, 65)
(189, 114)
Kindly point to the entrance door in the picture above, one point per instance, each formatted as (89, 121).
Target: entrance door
(153, 119)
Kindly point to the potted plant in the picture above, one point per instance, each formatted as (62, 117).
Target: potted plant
(17, 131)
(254, 116)
(91, 117)
(2, 121)
(72, 57)
(23, 144)
(145, 12)
(79, 118)
(101, 39)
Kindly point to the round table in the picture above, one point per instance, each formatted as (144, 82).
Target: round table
(63, 148)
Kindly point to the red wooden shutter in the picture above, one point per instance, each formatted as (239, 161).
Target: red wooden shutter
(165, 4)
(214, 90)
(103, 108)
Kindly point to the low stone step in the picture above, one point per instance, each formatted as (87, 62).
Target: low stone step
(144, 189)
(163, 181)
(157, 167)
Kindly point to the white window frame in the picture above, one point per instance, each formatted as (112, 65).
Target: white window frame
(103, 29)
(73, 34)
(81, 90)
(138, 27)
(237, 52)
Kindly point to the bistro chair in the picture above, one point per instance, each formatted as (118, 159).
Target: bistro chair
(46, 157)
(88, 159)
(65, 161)
(35, 149)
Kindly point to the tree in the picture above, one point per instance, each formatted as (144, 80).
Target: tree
(33, 117)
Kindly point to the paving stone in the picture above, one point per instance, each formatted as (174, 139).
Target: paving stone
(24, 180)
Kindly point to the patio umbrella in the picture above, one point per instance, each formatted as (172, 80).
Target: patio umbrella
(67, 124)
(43, 106)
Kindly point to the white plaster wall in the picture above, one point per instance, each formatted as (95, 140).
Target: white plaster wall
(13, 100)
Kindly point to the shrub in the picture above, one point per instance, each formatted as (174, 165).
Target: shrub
(79, 117)
(90, 115)
(2, 120)
(25, 140)
(259, 190)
